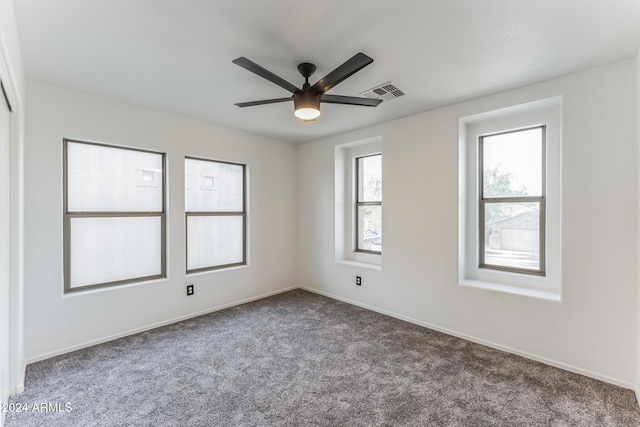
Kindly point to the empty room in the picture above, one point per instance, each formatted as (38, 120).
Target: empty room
(362, 213)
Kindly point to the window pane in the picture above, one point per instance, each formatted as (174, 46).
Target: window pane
(512, 235)
(370, 178)
(108, 179)
(512, 164)
(111, 249)
(213, 186)
(214, 241)
(370, 228)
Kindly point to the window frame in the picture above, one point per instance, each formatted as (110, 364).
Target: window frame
(494, 118)
(242, 213)
(363, 203)
(69, 215)
(541, 200)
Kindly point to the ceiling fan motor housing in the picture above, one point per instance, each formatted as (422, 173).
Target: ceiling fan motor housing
(306, 100)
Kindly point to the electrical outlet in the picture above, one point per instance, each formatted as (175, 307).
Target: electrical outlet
(358, 281)
(189, 290)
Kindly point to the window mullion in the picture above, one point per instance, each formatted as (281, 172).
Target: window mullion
(524, 199)
(111, 214)
(214, 213)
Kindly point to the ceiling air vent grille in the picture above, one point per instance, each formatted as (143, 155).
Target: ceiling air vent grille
(386, 92)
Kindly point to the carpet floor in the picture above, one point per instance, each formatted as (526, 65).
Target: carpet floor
(300, 359)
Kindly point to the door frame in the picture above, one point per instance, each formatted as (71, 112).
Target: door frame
(17, 361)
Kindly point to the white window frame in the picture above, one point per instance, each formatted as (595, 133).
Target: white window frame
(548, 113)
(345, 202)
(69, 215)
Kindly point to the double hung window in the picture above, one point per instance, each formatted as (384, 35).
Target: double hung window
(368, 209)
(512, 201)
(114, 215)
(215, 205)
(509, 223)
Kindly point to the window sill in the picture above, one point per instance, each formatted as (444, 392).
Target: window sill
(216, 270)
(516, 290)
(89, 291)
(359, 264)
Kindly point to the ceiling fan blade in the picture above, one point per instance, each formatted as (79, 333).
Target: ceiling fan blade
(264, 101)
(350, 67)
(249, 65)
(350, 100)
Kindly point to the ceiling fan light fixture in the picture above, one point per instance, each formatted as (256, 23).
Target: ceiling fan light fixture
(306, 100)
(306, 105)
(307, 114)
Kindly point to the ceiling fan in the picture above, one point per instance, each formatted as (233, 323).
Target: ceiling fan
(306, 100)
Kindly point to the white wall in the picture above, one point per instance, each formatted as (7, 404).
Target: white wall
(55, 322)
(593, 329)
(12, 364)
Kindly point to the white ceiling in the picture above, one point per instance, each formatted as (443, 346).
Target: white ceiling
(175, 55)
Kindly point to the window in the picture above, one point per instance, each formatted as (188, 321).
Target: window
(358, 203)
(114, 215)
(368, 207)
(511, 202)
(510, 197)
(215, 214)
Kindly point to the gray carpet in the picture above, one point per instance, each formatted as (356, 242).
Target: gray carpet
(301, 359)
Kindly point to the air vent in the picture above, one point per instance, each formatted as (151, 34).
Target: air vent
(386, 92)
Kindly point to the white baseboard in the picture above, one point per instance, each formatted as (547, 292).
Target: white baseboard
(19, 388)
(481, 341)
(152, 326)
(447, 331)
